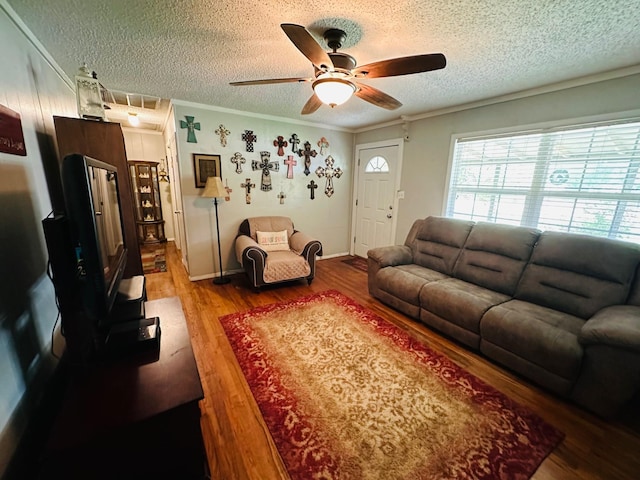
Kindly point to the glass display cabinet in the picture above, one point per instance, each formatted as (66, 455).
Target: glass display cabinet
(146, 193)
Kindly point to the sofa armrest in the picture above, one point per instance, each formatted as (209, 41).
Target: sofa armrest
(616, 326)
(243, 244)
(391, 256)
(303, 244)
(610, 373)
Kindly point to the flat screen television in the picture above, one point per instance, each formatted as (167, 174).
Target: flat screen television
(86, 249)
(92, 203)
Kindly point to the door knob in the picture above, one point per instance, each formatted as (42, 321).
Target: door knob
(389, 215)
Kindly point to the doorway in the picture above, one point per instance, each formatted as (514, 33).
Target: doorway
(377, 181)
(176, 194)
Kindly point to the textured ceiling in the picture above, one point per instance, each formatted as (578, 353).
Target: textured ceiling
(191, 50)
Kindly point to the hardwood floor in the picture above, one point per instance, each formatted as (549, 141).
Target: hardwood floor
(238, 442)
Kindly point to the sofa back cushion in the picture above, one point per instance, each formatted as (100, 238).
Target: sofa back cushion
(494, 256)
(273, 223)
(634, 294)
(438, 243)
(578, 274)
(413, 233)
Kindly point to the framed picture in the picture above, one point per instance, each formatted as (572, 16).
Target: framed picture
(205, 166)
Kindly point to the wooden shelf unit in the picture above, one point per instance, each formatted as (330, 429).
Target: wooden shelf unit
(146, 201)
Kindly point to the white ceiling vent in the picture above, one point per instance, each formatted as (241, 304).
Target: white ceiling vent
(133, 100)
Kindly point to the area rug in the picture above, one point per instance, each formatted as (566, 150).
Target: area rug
(357, 262)
(348, 395)
(154, 261)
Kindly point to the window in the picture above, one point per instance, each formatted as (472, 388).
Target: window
(583, 179)
(377, 165)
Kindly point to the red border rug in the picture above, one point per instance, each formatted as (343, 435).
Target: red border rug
(348, 395)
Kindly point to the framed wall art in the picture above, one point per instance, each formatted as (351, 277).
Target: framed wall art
(205, 166)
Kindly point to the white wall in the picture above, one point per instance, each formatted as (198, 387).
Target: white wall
(426, 154)
(327, 219)
(30, 86)
(149, 146)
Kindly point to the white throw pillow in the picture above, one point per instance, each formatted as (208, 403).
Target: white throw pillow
(273, 241)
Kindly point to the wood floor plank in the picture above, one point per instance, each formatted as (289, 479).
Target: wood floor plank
(238, 443)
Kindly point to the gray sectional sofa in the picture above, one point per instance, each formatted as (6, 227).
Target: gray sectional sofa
(562, 310)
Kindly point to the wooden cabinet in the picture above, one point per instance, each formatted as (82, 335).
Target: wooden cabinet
(134, 417)
(104, 141)
(146, 201)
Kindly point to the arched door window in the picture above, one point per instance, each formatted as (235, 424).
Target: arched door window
(377, 164)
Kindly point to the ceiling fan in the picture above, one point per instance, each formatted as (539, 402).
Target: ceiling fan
(336, 75)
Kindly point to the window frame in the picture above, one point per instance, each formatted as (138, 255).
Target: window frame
(384, 168)
(539, 128)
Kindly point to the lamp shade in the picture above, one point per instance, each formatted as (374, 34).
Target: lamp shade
(214, 188)
(333, 91)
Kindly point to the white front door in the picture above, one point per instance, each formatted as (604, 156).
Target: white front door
(376, 199)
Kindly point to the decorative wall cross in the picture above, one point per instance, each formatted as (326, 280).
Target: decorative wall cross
(249, 138)
(307, 153)
(266, 166)
(281, 196)
(330, 173)
(238, 160)
(226, 187)
(294, 141)
(312, 186)
(280, 142)
(223, 132)
(323, 143)
(290, 162)
(191, 127)
(247, 187)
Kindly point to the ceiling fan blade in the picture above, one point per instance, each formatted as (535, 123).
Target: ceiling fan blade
(312, 105)
(271, 80)
(401, 66)
(311, 49)
(377, 97)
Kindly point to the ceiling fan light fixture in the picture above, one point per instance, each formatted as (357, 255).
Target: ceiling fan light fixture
(336, 74)
(133, 119)
(333, 91)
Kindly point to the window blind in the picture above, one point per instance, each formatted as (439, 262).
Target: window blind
(581, 179)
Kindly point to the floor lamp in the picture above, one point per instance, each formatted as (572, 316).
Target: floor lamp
(214, 189)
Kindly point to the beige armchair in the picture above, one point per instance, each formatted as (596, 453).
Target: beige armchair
(272, 251)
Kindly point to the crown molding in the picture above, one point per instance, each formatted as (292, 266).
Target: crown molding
(261, 116)
(552, 87)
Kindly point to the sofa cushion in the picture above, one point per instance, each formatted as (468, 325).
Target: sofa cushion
(494, 256)
(459, 302)
(422, 272)
(273, 241)
(578, 274)
(406, 281)
(541, 335)
(281, 266)
(438, 243)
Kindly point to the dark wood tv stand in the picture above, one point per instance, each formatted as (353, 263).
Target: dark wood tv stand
(130, 417)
